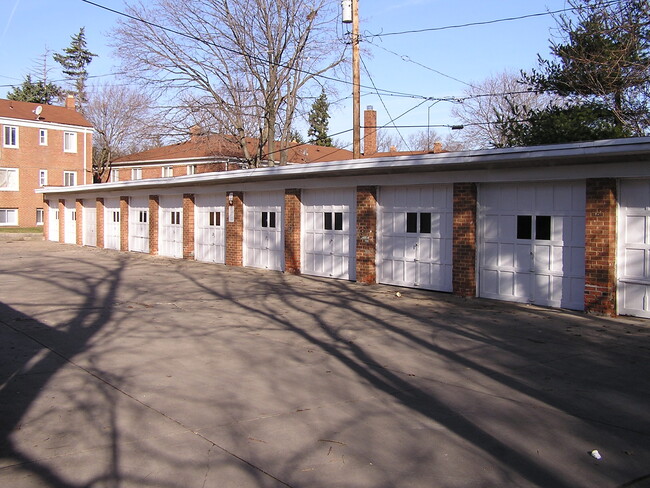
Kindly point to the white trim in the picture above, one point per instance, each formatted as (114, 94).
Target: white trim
(50, 125)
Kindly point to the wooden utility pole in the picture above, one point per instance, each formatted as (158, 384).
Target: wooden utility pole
(356, 81)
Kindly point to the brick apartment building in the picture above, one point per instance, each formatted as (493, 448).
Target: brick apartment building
(46, 146)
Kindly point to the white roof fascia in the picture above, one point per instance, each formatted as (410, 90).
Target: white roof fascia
(172, 161)
(44, 124)
(551, 155)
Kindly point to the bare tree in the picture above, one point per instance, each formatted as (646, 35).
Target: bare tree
(482, 103)
(240, 65)
(124, 123)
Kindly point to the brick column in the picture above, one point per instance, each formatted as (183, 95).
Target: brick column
(79, 209)
(235, 230)
(188, 226)
(600, 246)
(124, 223)
(46, 220)
(100, 222)
(464, 240)
(154, 206)
(61, 220)
(292, 207)
(366, 243)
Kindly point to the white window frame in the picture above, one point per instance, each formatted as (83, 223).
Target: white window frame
(10, 136)
(42, 177)
(66, 178)
(191, 169)
(167, 171)
(4, 216)
(70, 142)
(115, 175)
(4, 176)
(136, 173)
(42, 137)
(39, 216)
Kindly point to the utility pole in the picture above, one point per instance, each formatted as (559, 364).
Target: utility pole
(356, 82)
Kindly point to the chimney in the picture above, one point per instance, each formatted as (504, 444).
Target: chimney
(437, 147)
(393, 148)
(70, 103)
(195, 132)
(369, 131)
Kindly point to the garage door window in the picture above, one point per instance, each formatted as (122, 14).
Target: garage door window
(333, 220)
(418, 222)
(268, 219)
(215, 219)
(175, 218)
(542, 227)
(142, 217)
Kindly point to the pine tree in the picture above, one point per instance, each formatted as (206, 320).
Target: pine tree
(74, 61)
(35, 92)
(319, 121)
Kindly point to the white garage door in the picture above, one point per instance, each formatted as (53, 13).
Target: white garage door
(139, 224)
(70, 223)
(329, 225)
(532, 243)
(415, 236)
(210, 235)
(112, 223)
(53, 222)
(263, 224)
(171, 226)
(89, 222)
(634, 248)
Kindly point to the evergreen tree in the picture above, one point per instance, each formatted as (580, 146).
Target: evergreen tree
(319, 121)
(35, 92)
(603, 57)
(74, 61)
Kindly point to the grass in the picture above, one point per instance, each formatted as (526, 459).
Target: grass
(21, 230)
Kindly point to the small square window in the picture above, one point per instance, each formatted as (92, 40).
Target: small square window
(8, 179)
(167, 171)
(115, 175)
(543, 227)
(191, 169)
(524, 226)
(143, 216)
(42, 177)
(136, 174)
(39, 216)
(69, 178)
(215, 219)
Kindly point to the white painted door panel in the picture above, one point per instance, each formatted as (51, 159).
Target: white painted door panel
(53, 222)
(531, 243)
(70, 224)
(263, 224)
(210, 224)
(329, 225)
(634, 248)
(112, 223)
(415, 236)
(89, 223)
(171, 226)
(139, 224)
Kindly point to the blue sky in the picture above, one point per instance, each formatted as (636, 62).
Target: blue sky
(460, 55)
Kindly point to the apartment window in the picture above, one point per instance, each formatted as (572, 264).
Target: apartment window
(42, 177)
(70, 142)
(115, 175)
(167, 171)
(333, 220)
(136, 174)
(10, 136)
(8, 179)
(42, 137)
(69, 178)
(39, 216)
(8, 216)
(191, 169)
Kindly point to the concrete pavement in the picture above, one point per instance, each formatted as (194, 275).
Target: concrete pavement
(126, 370)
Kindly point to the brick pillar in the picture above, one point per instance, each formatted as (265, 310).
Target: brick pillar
(235, 230)
(154, 207)
(292, 207)
(124, 223)
(464, 240)
(61, 220)
(79, 209)
(46, 220)
(188, 226)
(600, 246)
(100, 222)
(366, 251)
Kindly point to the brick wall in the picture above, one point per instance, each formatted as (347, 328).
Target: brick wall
(188, 225)
(464, 240)
(79, 209)
(235, 231)
(366, 245)
(100, 222)
(292, 206)
(124, 223)
(600, 246)
(154, 206)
